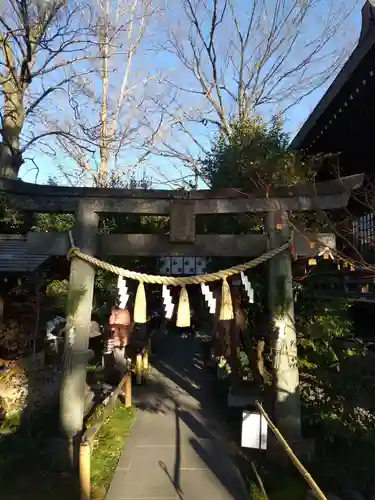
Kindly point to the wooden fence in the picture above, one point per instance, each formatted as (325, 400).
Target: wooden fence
(95, 424)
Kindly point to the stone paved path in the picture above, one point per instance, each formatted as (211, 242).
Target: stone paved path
(178, 448)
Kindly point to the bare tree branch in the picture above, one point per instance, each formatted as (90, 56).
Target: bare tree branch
(237, 58)
(35, 41)
(123, 117)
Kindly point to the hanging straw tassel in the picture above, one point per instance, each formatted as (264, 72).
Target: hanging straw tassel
(140, 306)
(226, 309)
(183, 311)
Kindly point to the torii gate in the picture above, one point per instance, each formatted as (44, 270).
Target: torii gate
(89, 204)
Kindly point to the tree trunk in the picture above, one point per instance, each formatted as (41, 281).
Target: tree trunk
(13, 121)
(104, 138)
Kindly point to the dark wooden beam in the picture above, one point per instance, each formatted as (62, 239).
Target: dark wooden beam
(205, 245)
(153, 245)
(39, 198)
(335, 186)
(263, 205)
(156, 245)
(347, 296)
(162, 207)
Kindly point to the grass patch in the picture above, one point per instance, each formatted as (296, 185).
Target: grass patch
(108, 447)
(33, 459)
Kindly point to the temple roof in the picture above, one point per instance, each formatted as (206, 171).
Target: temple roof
(14, 257)
(344, 116)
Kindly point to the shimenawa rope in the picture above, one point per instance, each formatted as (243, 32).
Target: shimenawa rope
(183, 310)
(176, 281)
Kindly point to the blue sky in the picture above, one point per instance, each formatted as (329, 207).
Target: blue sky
(293, 120)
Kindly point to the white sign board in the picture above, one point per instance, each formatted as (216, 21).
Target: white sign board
(254, 431)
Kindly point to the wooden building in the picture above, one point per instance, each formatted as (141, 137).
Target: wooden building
(343, 123)
(16, 264)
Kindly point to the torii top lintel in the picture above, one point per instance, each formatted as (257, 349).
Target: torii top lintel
(312, 196)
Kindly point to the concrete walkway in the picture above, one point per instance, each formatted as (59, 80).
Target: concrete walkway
(178, 448)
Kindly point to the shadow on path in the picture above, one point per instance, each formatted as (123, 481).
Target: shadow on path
(180, 385)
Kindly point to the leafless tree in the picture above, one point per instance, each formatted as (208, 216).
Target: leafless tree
(110, 107)
(234, 58)
(41, 45)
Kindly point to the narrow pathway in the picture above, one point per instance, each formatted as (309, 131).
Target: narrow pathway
(178, 448)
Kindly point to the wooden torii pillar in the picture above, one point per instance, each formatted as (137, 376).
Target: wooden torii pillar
(90, 203)
(78, 313)
(283, 331)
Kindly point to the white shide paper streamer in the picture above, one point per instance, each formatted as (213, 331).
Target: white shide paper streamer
(167, 300)
(247, 285)
(123, 294)
(209, 296)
